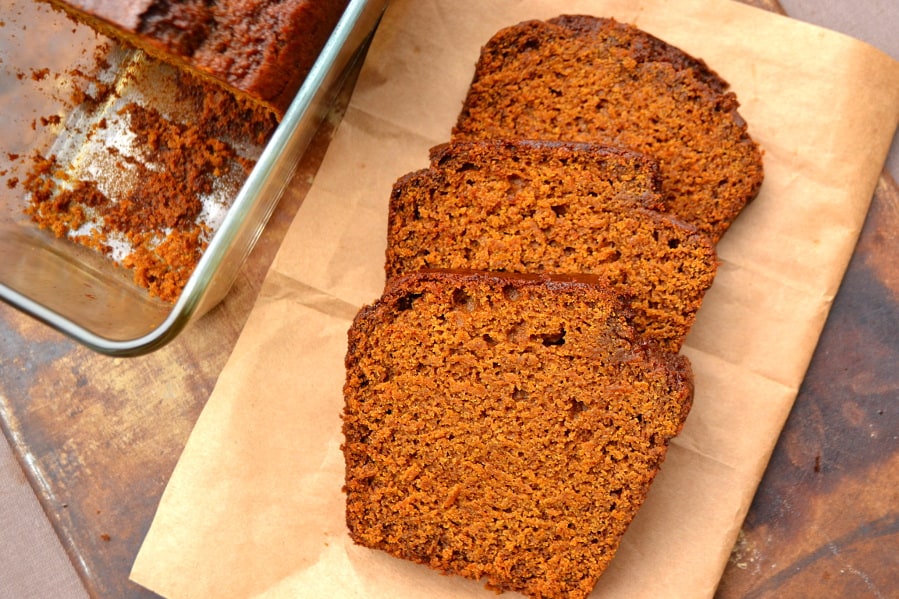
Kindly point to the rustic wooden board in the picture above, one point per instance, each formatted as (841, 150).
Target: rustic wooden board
(99, 449)
(825, 520)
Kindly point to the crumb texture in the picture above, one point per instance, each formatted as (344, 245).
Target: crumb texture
(554, 207)
(145, 204)
(594, 79)
(504, 428)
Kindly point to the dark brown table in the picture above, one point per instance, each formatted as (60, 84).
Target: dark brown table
(98, 437)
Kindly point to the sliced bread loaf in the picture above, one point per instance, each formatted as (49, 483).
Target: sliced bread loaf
(594, 79)
(504, 427)
(553, 207)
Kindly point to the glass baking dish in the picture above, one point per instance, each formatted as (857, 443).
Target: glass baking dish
(79, 291)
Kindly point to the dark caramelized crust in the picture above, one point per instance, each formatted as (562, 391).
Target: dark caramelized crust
(504, 427)
(593, 79)
(260, 49)
(553, 207)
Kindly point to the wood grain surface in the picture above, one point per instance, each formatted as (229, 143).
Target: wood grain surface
(99, 448)
(825, 519)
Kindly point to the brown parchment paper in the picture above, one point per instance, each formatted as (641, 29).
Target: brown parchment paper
(254, 507)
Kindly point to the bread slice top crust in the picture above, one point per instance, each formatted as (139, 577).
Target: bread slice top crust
(260, 50)
(585, 78)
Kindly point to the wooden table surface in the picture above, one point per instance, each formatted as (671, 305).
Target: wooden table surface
(98, 437)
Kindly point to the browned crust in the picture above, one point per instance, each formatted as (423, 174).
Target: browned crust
(257, 49)
(643, 47)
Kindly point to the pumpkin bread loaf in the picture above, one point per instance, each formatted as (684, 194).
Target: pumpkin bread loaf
(594, 79)
(553, 207)
(504, 427)
(258, 49)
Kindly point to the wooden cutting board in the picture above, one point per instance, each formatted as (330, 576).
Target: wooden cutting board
(99, 449)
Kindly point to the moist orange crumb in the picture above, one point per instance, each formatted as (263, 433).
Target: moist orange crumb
(594, 79)
(504, 428)
(160, 216)
(554, 207)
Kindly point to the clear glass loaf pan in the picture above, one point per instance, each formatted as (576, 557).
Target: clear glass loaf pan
(84, 294)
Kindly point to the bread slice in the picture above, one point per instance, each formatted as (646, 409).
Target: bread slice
(504, 427)
(553, 207)
(260, 50)
(593, 79)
